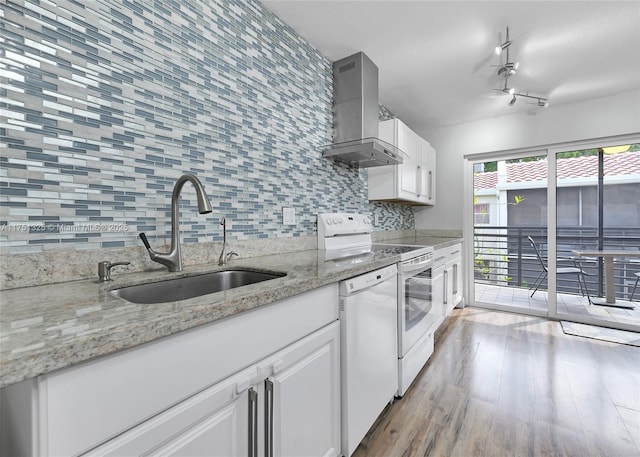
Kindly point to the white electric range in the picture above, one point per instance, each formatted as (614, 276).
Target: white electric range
(346, 237)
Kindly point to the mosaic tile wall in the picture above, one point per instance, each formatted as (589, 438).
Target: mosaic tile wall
(105, 103)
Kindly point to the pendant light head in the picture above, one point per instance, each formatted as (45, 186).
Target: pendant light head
(502, 47)
(512, 101)
(508, 69)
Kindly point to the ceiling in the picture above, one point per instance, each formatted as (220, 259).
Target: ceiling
(437, 62)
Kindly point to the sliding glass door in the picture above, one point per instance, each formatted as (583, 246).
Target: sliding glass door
(509, 213)
(598, 231)
(543, 227)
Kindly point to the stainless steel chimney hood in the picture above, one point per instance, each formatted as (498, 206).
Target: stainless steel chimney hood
(355, 116)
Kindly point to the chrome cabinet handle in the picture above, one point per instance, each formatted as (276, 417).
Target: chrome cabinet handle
(268, 418)
(430, 185)
(446, 280)
(253, 423)
(455, 278)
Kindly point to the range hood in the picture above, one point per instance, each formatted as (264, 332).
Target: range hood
(355, 116)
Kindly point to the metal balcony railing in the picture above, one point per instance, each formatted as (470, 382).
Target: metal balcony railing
(504, 256)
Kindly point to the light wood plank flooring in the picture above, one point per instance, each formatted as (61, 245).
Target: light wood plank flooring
(501, 384)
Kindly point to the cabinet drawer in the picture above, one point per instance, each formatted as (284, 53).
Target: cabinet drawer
(447, 254)
(83, 406)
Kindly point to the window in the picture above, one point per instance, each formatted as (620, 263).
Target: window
(481, 213)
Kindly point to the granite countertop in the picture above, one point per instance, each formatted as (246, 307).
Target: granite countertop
(45, 328)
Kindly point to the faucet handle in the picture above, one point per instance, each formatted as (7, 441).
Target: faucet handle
(104, 270)
(145, 241)
(230, 255)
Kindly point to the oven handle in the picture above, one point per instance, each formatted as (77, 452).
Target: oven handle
(409, 267)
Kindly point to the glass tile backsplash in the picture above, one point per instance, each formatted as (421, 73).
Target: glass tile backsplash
(104, 104)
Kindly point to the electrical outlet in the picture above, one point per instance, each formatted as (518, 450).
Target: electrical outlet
(376, 219)
(288, 216)
(401, 220)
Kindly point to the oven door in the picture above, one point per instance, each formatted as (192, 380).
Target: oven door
(417, 311)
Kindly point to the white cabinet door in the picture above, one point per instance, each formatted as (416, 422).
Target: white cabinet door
(448, 276)
(426, 174)
(453, 278)
(456, 281)
(221, 434)
(409, 143)
(304, 407)
(438, 289)
(214, 422)
(448, 285)
(413, 181)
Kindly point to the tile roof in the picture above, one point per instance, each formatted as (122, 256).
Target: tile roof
(574, 167)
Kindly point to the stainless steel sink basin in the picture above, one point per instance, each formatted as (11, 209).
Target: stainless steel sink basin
(192, 286)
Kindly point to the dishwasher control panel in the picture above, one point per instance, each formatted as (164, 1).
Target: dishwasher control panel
(367, 280)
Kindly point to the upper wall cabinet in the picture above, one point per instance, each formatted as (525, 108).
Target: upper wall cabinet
(412, 182)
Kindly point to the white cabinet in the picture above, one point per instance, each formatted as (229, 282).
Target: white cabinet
(306, 398)
(411, 182)
(214, 422)
(448, 283)
(189, 394)
(285, 405)
(456, 281)
(427, 174)
(438, 290)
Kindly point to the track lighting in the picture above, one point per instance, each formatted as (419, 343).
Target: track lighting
(508, 69)
(542, 102)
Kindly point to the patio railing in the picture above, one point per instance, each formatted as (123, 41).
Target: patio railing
(504, 256)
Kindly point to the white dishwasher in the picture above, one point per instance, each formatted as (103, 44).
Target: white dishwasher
(369, 362)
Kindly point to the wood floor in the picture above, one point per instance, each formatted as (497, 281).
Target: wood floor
(501, 384)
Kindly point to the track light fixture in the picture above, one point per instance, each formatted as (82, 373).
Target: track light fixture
(542, 102)
(507, 69)
(504, 45)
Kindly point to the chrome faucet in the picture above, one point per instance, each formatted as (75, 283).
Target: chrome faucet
(224, 257)
(173, 259)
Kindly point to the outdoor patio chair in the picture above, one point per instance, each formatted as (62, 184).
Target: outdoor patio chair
(634, 286)
(576, 270)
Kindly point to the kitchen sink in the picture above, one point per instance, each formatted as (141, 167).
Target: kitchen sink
(192, 286)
